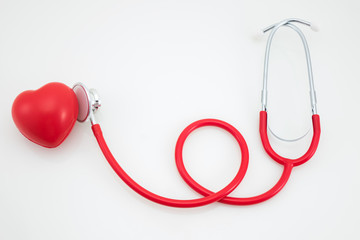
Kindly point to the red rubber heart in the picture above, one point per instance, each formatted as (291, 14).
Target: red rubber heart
(47, 115)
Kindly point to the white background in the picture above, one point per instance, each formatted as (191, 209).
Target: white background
(160, 65)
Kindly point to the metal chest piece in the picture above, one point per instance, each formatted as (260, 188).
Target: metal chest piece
(89, 102)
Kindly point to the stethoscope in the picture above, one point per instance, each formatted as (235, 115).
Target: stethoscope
(47, 115)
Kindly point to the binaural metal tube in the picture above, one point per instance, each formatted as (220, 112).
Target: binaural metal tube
(274, 28)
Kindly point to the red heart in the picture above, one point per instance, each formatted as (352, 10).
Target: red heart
(47, 115)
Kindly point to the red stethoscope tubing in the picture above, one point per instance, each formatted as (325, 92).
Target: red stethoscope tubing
(221, 196)
(175, 202)
(295, 162)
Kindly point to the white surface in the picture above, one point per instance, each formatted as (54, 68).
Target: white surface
(159, 66)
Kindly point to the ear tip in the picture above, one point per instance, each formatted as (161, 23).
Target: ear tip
(314, 27)
(258, 36)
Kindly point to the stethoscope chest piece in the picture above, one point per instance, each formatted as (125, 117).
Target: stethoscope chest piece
(88, 100)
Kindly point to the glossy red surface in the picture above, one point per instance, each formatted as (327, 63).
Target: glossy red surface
(47, 115)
